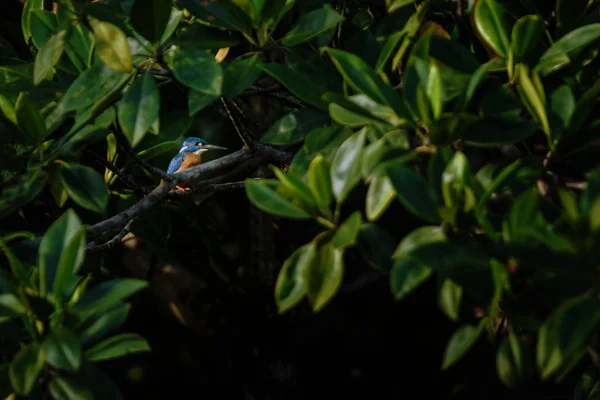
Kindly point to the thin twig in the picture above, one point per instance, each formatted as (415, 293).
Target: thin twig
(126, 178)
(112, 242)
(246, 139)
(155, 171)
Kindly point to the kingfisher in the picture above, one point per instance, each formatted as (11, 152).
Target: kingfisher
(190, 155)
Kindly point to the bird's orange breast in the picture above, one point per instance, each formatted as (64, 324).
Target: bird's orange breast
(190, 160)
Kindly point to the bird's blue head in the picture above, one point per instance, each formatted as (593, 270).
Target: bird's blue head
(198, 146)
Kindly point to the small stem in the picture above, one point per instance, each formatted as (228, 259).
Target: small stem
(326, 223)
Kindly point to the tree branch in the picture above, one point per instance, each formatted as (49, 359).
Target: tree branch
(155, 171)
(246, 138)
(190, 175)
(112, 242)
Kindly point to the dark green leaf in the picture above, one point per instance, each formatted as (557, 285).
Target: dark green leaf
(347, 234)
(150, 18)
(569, 14)
(139, 108)
(460, 343)
(514, 361)
(104, 324)
(61, 254)
(106, 295)
(319, 181)
(526, 34)
(324, 276)
(240, 75)
(92, 85)
(264, 197)
(406, 276)
(112, 46)
(292, 128)
(117, 346)
(10, 305)
(568, 46)
(29, 118)
(64, 388)
(290, 287)
(198, 101)
(43, 25)
(414, 192)
(311, 25)
(62, 349)
(494, 24)
(345, 168)
(28, 8)
(296, 186)
(496, 131)
(376, 246)
(221, 13)
(85, 186)
(199, 36)
(298, 83)
(25, 368)
(199, 70)
(380, 195)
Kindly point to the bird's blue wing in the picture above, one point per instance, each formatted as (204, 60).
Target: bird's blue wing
(176, 163)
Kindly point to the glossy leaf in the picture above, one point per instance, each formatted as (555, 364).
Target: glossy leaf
(297, 187)
(112, 46)
(290, 287)
(28, 8)
(25, 368)
(139, 108)
(449, 299)
(107, 294)
(105, 323)
(311, 25)
(240, 75)
(345, 167)
(85, 186)
(48, 56)
(117, 346)
(299, 84)
(264, 197)
(494, 24)
(347, 234)
(198, 70)
(64, 388)
(406, 276)
(514, 361)
(61, 254)
(571, 44)
(293, 127)
(380, 196)
(319, 181)
(324, 276)
(62, 349)
(533, 93)
(526, 34)
(460, 343)
(29, 118)
(150, 18)
(413, 192)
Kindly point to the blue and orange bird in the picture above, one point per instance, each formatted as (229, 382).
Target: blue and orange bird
(190, 155)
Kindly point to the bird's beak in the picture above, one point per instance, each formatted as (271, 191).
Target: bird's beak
(213, 147)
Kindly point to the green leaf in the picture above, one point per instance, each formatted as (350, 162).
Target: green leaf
(380, 196)
(264, 197)
(29, 118)
(290, 287)
(376, 246)
(414, 192)
(311, 24)
(567, 332)
(460, 343)
(514, 361)
(61, 254)
(567, 47)
(10, 305)
(105, 323)
(420, 237)
(458, 184)
(150, 18)
(85, 186)
(390, 45)
(533, 93)
(345, 168)
(172, 24)
(107, 294)
(526, 35)
(324, 276)
(319, 181)
(62, 349)
(450, 296)
(297, 187)
(198, 101)
(494, 24)
(346, 235)
(198, 70)
(199, 36)
(139, 108)
(48, 56)
(569, 14)
(28, 8)
(393, 5)
(117, 346)
(65, 388)
(562, 107)
(298, 83)
(112, 46)
(406, 276)
(496, 131)
(293, 127)
(25, 368)
(43, 25)
(240, 75)
(221, 13)
(363, 79)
